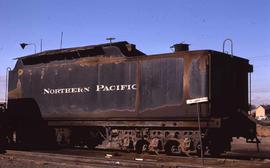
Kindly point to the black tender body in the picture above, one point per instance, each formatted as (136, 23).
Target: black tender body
(109, 84)
(117, 82)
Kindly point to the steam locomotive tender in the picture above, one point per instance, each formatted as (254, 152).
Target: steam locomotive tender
(113, 96)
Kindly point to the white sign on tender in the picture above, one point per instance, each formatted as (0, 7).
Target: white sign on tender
(197, 100)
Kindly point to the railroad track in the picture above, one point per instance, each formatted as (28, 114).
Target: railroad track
(65, 158)
(84, 158)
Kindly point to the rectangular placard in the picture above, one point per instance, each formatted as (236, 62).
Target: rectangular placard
(197, 100)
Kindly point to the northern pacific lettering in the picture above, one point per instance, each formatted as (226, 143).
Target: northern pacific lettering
(98, 88)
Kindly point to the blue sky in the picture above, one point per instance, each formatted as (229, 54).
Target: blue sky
(152, 25)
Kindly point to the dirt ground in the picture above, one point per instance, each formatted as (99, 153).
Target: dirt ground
(263, 131)
(242, 150)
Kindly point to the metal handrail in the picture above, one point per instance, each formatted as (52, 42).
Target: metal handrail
(224, 42)
(6, 90)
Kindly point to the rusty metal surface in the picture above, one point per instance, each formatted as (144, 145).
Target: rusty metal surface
(141, 87)
(159, 88)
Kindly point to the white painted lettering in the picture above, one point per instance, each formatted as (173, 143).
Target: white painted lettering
(112, 88)
(86, 89)
(99, 87)
(133, 87)
(46, 91)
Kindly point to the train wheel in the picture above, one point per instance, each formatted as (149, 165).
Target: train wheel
(172, 147)
(141, 146)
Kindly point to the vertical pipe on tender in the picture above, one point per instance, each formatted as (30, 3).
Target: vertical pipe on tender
(200, 130)
(250, 92)
(6, 92)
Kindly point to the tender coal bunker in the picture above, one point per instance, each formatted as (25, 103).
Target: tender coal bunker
(63, 56)
(122, 48)
(112, 51)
